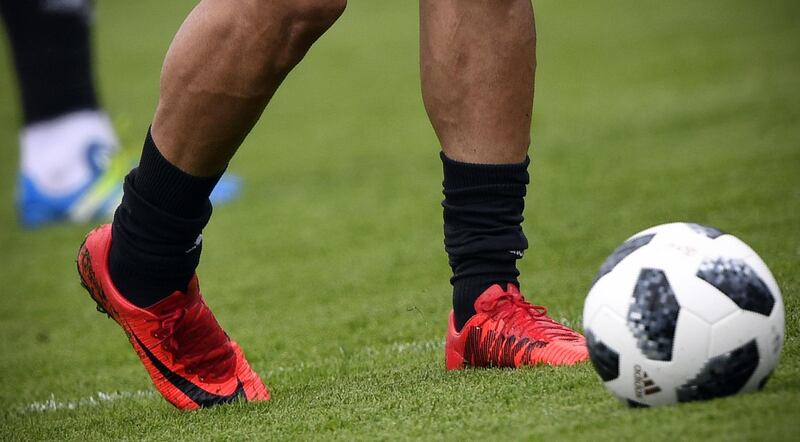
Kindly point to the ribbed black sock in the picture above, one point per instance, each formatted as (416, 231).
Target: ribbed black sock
(156, 234)
(483, 235)
(52, 56)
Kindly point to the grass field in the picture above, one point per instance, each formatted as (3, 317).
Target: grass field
(330, 272)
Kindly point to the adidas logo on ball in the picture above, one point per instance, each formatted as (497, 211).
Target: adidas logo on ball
(642, 384)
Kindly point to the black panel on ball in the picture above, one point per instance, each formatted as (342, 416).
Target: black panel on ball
(722, 375)
(633, 404)
(739, 282)
(653, 315)
(604, 359)
(706, 230)
(621, 253)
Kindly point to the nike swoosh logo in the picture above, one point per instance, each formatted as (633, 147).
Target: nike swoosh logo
(200, 396)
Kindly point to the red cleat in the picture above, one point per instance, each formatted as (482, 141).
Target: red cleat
(191, 360)
(507, 331)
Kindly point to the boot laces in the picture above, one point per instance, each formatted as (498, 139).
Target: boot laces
(521, 318)
(193, 337)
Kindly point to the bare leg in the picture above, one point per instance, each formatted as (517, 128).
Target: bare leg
(223, 67)
(477, 62)
(478, 59)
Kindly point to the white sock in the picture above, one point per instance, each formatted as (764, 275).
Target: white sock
(54, 152)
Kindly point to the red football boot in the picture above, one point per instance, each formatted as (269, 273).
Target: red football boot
(191, 360)
(507, 331)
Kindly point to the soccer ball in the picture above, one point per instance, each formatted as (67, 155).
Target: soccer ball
(683, 312)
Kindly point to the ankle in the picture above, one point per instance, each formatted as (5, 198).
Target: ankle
(157, 229)
(467, 290)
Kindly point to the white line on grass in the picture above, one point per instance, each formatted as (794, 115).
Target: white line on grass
(52, 404)
(103, 398)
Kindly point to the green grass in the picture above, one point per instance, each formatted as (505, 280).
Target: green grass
(330, 270)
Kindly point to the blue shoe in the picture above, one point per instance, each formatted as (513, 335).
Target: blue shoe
(227, 189)
(99, 197)
(95, 200)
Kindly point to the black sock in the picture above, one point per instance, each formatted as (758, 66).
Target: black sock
(156, 235)
(50, 42)
(483, 235)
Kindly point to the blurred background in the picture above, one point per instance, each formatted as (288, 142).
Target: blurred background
(646, 112)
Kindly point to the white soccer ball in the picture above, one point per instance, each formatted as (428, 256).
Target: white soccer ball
(683, 312)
